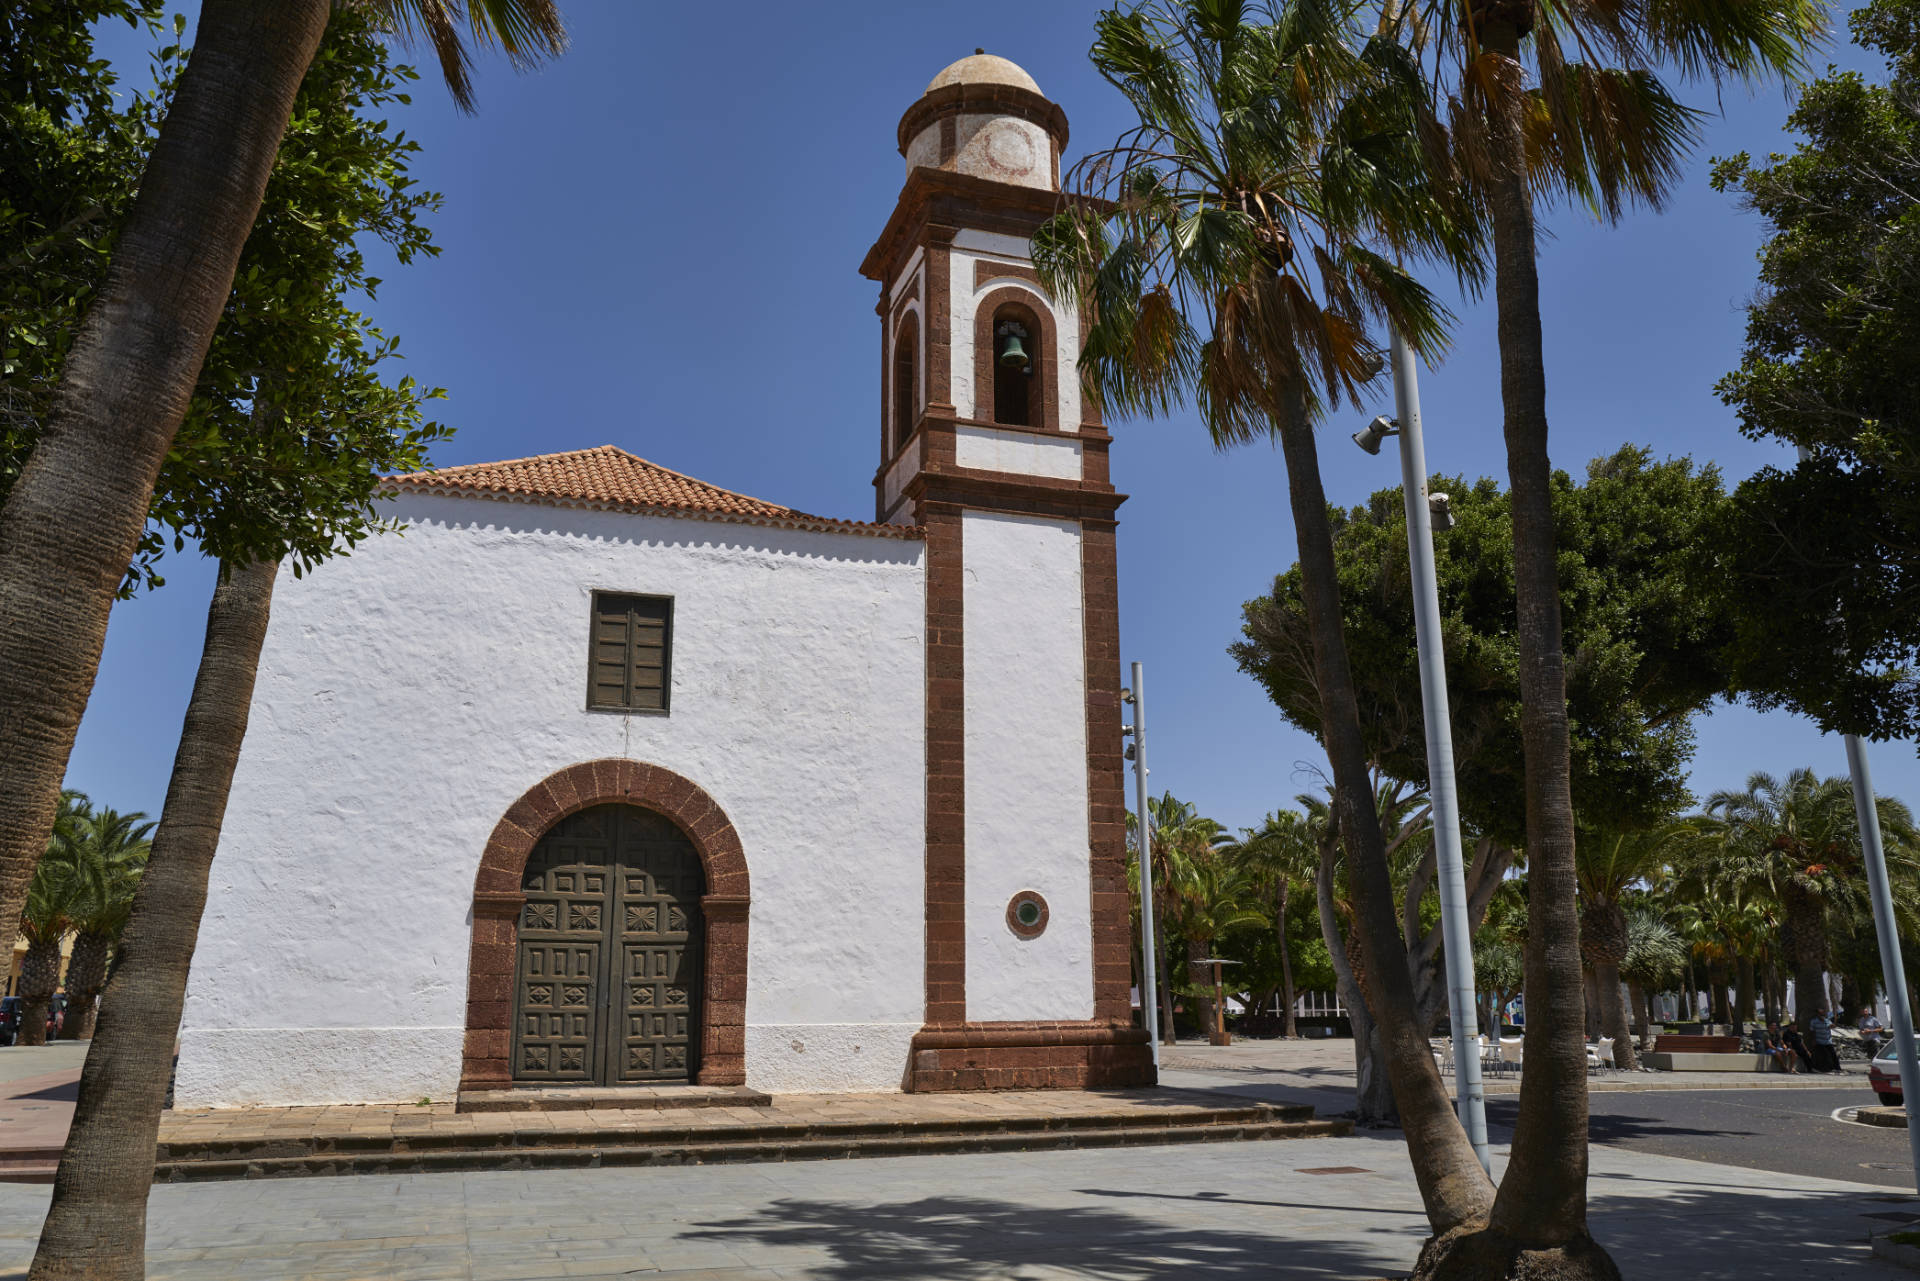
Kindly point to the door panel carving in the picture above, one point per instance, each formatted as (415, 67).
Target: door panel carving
(607, 979)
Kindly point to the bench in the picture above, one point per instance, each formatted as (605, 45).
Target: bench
(1667, 1043)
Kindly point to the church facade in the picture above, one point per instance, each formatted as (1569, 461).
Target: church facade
(603, 776)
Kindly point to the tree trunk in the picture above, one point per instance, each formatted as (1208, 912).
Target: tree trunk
(1542, 1202)
(1168, 1035)
(1372, 1090)
(1453, 1187)
(1642, 1016)
(96, 1226)
(1717, 975)
(86, 972)
(75, 515)
(1590, 998)
(1743, 995)
(1613, 1017)
(1200, 979)
(1771, 984)
(1288, 1029)
(39, 980)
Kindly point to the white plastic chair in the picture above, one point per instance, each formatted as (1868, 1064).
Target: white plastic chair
(1511, 1050)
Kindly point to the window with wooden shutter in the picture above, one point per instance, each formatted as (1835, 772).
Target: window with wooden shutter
(629, 664)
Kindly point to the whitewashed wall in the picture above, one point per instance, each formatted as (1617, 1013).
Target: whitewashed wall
(1002, 148)
(410, 693)
(1026, 767)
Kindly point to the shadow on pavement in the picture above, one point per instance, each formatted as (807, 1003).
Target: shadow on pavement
(949, 1237)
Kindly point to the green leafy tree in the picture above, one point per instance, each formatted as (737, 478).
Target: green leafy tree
(1281, 855)
(1245, 243)
(1609, 864)
(77, 512)
(1640, 632)
(278, 460)
(1822, 567)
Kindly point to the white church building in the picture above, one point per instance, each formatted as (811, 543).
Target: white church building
(604, 776)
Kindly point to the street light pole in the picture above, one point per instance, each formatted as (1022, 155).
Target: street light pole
(1456, 929)
(1149, 994)
(1892, 971)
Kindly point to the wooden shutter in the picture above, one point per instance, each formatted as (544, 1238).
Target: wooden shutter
(630, 648)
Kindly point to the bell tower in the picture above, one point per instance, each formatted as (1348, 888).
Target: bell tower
(987, 444)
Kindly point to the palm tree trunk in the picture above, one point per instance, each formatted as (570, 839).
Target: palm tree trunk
(96, 1226)
(1743, 996)
(39, 980)
(1453, 1187)
(86, 971)
(1542, 1202)
(1167, 1034)
(1642, 1014)
(1613, 1016)
(1200, 979)
(1288, 1028)
(74, 517)
(1717, 975)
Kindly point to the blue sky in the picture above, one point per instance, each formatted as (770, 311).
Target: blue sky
(654, 243)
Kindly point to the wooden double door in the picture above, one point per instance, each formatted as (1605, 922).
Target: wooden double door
(607, 981)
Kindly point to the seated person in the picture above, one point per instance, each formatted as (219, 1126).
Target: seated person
(1797, 1043)
(1774, 1044)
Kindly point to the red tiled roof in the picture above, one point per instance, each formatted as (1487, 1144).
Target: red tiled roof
(610, 477)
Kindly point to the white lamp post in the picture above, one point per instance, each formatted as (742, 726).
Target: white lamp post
(1455, 928)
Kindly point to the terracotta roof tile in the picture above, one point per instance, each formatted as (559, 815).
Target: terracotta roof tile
(611, 477)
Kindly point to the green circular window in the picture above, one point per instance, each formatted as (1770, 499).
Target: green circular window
(1027, 914)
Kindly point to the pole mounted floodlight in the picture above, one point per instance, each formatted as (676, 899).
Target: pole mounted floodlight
(1375, 432)
(1441, 508)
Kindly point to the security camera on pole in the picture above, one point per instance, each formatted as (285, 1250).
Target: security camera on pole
(1425, 513)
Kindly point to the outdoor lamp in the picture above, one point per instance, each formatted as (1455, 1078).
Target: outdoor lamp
(1376, 431)
(1441, 508)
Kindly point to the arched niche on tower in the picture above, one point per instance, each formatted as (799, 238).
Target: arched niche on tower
(1016, 305)
(904, 383)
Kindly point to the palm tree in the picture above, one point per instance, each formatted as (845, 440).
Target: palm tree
(46, 917)
(110, 854)
(1174, 830)
(1796, 842)
(1210, 890)
(1240, 245)
(1653, 957)
(1607, 865)
(1606, 137)
(1281, 854)
(76, 513)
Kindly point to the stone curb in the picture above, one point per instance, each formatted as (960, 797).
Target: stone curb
(1891, 1118)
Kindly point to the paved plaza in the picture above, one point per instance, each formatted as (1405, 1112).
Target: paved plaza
(1311, 1208)
(1307, 1208)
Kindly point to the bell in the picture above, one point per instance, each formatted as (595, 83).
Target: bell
(1013, 355)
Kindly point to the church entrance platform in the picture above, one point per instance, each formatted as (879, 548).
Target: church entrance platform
(243, 1143)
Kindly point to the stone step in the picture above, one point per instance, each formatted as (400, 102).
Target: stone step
(650, 1133)
(563, 1098)
(752, 1145)
(28, 1165)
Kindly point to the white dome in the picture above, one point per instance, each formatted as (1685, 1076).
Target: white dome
(983, 69)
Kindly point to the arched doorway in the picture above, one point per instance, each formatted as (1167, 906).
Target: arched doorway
(607, 974)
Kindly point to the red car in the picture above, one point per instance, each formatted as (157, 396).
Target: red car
(1883, 1074)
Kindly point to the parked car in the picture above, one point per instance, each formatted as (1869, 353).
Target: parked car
(56, 1014)
(9, 1020)
(1883, 1074)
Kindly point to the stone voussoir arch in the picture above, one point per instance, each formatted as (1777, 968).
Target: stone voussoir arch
(497, 900)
